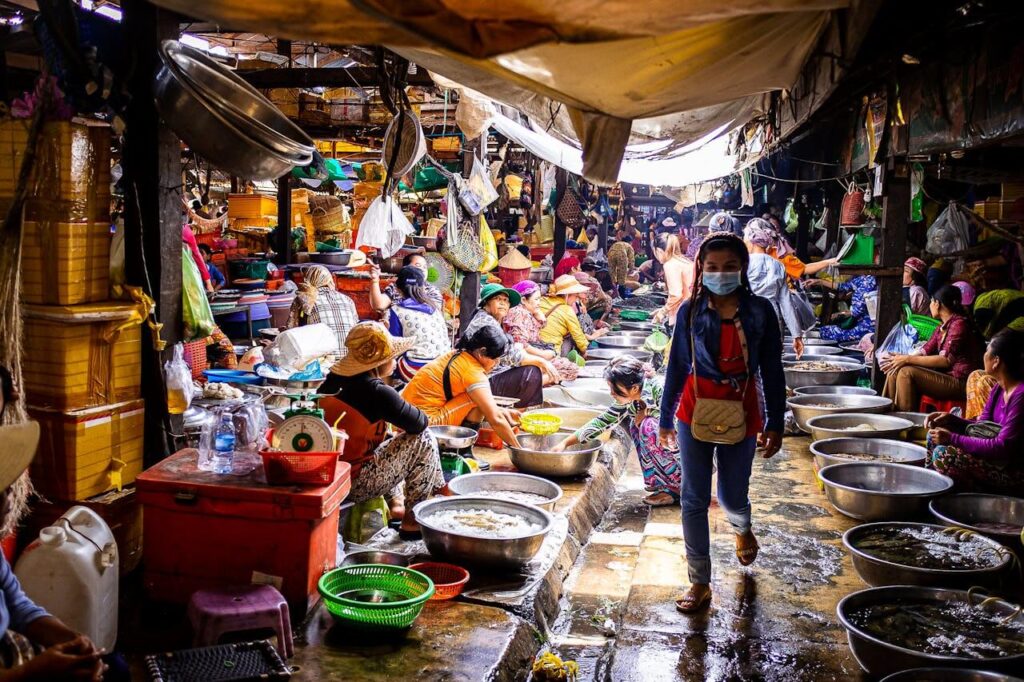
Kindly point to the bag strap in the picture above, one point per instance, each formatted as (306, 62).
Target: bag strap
(743, 345)
(446, 377)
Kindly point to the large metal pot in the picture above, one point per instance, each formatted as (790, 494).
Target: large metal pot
(858, 425)
(534, 456)
(490, 483)
(826, 451)
(878, 572)
(806, 407)
(472, 549)
(847, 375)
(975, 511)
(878, 657)
(882, 492)
(612, 353)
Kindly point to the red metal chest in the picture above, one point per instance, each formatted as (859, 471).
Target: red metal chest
(203, 530)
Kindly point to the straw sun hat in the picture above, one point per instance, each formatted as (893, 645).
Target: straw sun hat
(565, 285)
(18, 444)
(369, 345)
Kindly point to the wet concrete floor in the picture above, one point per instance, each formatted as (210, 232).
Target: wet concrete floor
(774, 620)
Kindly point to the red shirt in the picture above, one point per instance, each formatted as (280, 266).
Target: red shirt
(954, 341)
(730, 363)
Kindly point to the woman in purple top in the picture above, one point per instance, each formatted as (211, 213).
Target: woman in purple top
(986, 454)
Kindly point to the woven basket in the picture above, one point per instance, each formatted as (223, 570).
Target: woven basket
(852, 208)
(328, 214)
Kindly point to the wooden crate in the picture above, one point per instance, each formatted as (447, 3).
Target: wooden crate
(65, 263)
(87, 452)
(251, 206)
(82, 356)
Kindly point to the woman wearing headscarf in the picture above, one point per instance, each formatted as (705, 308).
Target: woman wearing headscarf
(319, 301)
(780, 249)
(768, 279)
(915, 292)
(596, 304)
(562, 328)
(415, 315)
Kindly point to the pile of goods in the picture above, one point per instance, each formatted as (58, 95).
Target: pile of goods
(817, 366)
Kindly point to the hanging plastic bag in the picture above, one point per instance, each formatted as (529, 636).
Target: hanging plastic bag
(790, 217)
(899, 341)
(384, 227)
(195, 308)
(477, 192)
(178, 380)
(916, 193)
(490, 247)
(950, 233)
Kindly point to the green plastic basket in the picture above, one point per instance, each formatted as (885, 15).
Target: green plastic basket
(924, 325)
(410, 589)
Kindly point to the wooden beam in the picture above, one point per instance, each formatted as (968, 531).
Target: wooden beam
(328, 77)
(561, 183)
(895, 216)
(152, 167)
(469, 293)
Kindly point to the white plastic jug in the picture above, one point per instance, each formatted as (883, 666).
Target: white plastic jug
(71, 571)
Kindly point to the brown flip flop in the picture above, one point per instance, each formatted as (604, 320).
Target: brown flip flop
(690, 603)
(745, 551)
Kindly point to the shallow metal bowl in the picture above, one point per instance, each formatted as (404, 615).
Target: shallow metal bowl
(882, 658)
(811, 352)
(630, 333)
(375, 556)
(833, 377)
(806, 407)
(882, 492)
(634, 325)
(848, 425)
(486, 551)
(808, 342)
(616, 342)
(878, 572)
(967, 510)
(454, 437)
(612, 353)
(577, 397)
(587, 384)
(918, 432)
(824, 451)
(534, 456)
(949, 675)
(485, 485)
(835, 390)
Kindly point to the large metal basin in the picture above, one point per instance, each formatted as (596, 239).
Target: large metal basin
(967, 510)
(617, 342)
(534, 456)
(882, 658)
(633, 325)
(486, 484)
(612, 353)
(878, 572)
(949, 675)
(882, 492)
(630, 333)
(899, 451)
(454, 437)
(808, 342)
(586, 384)
(918, 432)
(573, 418)
(486, 551)
(835, 390)
(806, 407)
(559, 397)
(811, 352)
(843, 425)
(847, 376)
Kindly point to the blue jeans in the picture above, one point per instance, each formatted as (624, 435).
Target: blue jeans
(734, 465)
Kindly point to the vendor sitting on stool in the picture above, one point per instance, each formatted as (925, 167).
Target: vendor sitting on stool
(562, 329)
(26, 628)
(367, 406)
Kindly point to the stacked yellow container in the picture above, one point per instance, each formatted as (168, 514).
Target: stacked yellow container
(81, 351)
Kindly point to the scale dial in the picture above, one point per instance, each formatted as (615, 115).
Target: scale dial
(304, 433)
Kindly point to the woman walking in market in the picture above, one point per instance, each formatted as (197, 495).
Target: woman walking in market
(726, 339)
(637, 394)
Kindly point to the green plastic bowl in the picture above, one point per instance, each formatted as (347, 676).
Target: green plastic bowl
(375, 595)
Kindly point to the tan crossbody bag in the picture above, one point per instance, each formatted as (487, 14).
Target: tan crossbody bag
(722, 422)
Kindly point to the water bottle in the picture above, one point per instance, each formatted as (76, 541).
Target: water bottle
(224, 445)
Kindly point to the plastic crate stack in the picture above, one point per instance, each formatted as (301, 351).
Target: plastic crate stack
(81, 357)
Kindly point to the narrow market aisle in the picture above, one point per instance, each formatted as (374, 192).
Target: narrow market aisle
(772, 621)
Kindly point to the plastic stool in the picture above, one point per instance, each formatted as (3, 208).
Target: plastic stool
(929, 404)
(233, 609)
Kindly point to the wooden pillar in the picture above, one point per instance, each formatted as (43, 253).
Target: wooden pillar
(895, 216)
(282, 242)
(561, 183)
(152, 168)
(469, 294)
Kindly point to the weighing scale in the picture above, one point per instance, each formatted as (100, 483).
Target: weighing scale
(304, 428)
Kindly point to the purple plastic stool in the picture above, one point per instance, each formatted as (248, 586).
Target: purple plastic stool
(233, 609)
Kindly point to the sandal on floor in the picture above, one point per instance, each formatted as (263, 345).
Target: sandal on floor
(746, 548)
(694, 600)
(661, 499)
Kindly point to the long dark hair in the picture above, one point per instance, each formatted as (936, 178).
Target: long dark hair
(625, 372)
(418, 293)
(951, 298)
(720, 241)
(1008, 346)
(491, 340)
(918, 279)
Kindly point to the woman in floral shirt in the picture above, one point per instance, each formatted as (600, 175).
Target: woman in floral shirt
(637, 394)
(523, 323)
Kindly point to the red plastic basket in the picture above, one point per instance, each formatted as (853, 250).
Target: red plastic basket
(195, 356)
(449, 579)
(308, 468)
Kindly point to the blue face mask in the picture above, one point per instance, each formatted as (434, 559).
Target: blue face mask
(722, 283)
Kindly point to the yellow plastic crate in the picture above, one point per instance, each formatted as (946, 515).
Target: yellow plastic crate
(87, 452)
(251, 206)
(71, 178)
(82, 356)
(65, 263)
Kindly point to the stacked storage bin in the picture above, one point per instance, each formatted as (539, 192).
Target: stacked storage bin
(81, 357)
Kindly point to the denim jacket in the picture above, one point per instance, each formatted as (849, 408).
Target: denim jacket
(764, 345)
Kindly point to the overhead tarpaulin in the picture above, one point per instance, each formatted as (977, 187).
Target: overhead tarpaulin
(603, 71)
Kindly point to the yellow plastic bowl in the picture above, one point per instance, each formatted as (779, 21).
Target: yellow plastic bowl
(541, 423)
